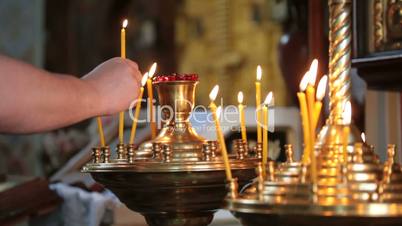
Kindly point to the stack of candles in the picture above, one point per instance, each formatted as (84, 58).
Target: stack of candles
(310, 109)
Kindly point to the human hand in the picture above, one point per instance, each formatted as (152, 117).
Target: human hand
(117, 83)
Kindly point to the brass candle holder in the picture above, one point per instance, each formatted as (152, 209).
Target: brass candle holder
(178, 178)
(351, 187)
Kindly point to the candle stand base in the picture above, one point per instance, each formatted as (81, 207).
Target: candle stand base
(178, 178)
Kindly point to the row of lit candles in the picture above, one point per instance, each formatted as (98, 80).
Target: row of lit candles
(310, 108)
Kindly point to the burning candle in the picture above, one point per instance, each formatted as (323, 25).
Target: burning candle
(241, 117)
(123, 55)
(258, 101)
(363, 136)
(151, 73)
(267, 103)
(220, 137)
(138, 108)
(304, 117)
(100, 130)
(310, 93)
(347, 119)
(322, 85)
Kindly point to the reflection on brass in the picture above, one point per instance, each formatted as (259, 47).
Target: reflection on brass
(96, 155)
(178, 178)
(105, 154)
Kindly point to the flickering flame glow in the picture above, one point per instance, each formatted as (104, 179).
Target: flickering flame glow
(125, 23)
(269, 98)
(214, 93)
(363, 135)
(322, 85)
(313, 72)
(304, 82)
(347, 113)
(144, 79)
(152, 70)
(259, 72)
(240, 97)
(219, 112)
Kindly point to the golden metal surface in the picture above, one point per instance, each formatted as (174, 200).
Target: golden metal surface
(178, 178)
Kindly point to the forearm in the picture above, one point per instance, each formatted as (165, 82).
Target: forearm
(34, 100)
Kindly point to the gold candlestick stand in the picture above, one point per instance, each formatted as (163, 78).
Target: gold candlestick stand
(352, 186)
(178, 178)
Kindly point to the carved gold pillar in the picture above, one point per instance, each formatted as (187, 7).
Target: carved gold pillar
(340, 54)
(340, 36)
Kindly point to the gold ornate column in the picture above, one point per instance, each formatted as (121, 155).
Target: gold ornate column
(340, 50)
(340, 36)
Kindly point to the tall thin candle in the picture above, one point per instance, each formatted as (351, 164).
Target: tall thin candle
(138, 108)
(347, 119)
(319, 96)
(265, 141)
(151, 73)
(221, 138)
(123, 55)
(242, 117)
(258, 102)
(310, 93)
(304, 118)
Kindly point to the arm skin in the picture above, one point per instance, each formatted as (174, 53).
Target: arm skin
(34, 100)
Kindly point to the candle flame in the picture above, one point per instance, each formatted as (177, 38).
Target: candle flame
(125, 23)
(347, 113)
(240, 97)
(144, 79)
(313, 72)
(152, 70)
(269, 98)
(259, 72)
(214, 93)
(219, 112)
(322, 86)
(304, 82)
(363, 135)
